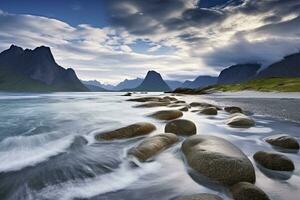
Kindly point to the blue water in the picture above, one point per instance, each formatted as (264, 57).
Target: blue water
(48, 150)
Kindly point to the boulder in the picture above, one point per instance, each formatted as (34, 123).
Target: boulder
(181, 127)
(240, 121)
(247, 191)
(179, 101)
(233, 109)
(152, 104)
(127, 94)
(274, 161)
(218, 160)
(283, 141)
(130, 131)
(176, 105)
(185, 108)
(203, 196)
(167, 114)
(170, 98)
(209, 111)
(152, 146)
(204, 104)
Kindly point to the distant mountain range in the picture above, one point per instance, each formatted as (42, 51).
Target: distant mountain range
(35, 71)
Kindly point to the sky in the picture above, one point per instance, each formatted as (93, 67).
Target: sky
(110, 40)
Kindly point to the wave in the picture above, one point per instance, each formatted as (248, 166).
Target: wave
(22, 151)
(120, 178)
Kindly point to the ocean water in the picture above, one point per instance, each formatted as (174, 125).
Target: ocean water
(48, 150)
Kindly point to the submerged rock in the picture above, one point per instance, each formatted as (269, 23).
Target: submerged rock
(204, 104)
(170, 98)
(274, 161)
(146, 99)
(181, 127)
(127, 94)
(283, 141)
(185, 109)
(247, 191)
(240, 120)
(203, 196)
(179, 101)
(218, 160)
(209, 111)
(153, 145)
(152, 104)
(167, 114)
(233, 109)
(130, 131)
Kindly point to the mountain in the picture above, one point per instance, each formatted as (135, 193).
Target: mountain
(288, 67)
(98, 84)
(153, 82)
(94, 88)
(238, 73)
(200, 82)
(128, 84)
(35, 71)
(173, 84)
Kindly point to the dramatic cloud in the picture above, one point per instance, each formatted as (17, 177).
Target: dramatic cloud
(179, 38)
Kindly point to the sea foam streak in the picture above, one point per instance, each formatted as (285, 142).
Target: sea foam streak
(22, 151)
(119, 179)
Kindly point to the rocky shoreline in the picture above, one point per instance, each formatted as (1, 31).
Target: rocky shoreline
(213, 157)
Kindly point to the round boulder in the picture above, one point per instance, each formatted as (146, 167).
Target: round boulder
(152, 146)
(181, 127)
(233, 109)
(209, 111)
(240, 121)
(167, 114)
(130, 131)
(218, 160)
(185, 109)
(203, 196)
(152, 104)
(283, 141)
(247, 191)
(274, 161)
(170, 98)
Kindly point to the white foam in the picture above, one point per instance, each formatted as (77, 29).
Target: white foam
(117, 180)
(22, 151)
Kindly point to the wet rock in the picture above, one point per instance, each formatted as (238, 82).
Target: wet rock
(218, 160)
(195, 111)
(146, 99)
(204, 104)
(130, 131)
(170, 98)
(153, 145)
(127, 94)
(274, 161)
(240, 120)
(247, 191)
(181, 127)
(176, 105)
(209, 111)
(167, 114)
(203, 196)
(179, 101)
(185, 109)
(283, 141)
(233, 109)
(152, 104)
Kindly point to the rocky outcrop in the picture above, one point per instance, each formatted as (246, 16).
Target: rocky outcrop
(239, 120)
(203, 196)
(209, 111)
(274, 161)
(167, 114)
(181, 127)
(247, 191)
(238, 73)
(130, 131)
(233, 109)
(152, 146)
(218, 160)
(283, 141)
